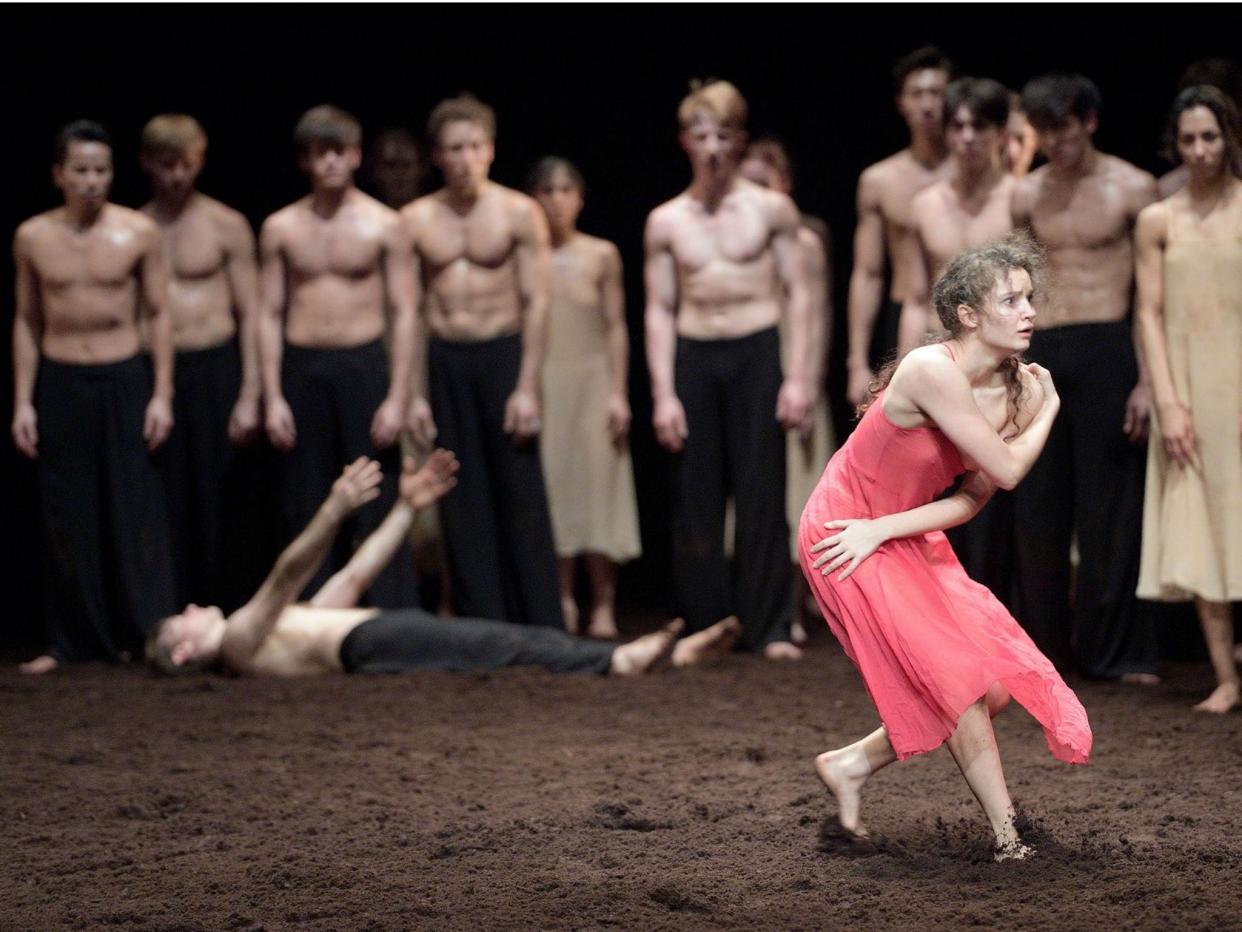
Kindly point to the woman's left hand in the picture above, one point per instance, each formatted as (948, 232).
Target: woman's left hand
(858, 539)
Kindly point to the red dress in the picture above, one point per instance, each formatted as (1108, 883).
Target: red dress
(928, 640)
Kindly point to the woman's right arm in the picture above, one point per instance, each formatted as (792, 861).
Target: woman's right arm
(1150, 235)
(934, 385)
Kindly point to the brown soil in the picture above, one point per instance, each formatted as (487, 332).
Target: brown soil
(523, 799)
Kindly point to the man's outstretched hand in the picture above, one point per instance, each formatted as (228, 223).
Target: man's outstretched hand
(426, 486)
(359, 484)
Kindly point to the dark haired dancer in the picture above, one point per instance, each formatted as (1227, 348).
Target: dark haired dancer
(938, 652)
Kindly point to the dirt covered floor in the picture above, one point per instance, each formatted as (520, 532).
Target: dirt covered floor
(527, 800)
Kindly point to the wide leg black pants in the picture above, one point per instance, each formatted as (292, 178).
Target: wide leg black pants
(333, 394)
(107, 576)
(735, 446)
(497, 528)
(1088, 479)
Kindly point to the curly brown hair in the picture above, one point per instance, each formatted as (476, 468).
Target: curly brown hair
(968, 280)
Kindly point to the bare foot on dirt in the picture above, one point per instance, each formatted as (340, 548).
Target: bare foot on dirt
(569, 608)
(641, 654)
(1224, 699)
(1140, 679)
(44, 664)
(844, 772)
(1014, 851)
(709, 644)
(603, 625)
(782, 650)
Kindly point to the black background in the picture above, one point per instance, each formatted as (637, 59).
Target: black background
(599, 85)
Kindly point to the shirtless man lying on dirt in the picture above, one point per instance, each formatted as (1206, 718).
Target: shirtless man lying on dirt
(270, 635)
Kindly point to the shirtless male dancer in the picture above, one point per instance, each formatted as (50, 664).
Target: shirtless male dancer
(332, 264)
(485, 259)
(722, 261)
(885, 191)
(91, 407)
(213, 297)
(963, 211)
(1082, 208)
(272, 636)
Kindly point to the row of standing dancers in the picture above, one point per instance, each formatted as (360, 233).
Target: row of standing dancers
(728, 264)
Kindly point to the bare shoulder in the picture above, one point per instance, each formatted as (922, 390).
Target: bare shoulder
(603, 249)
(131, 219)
(1026, 190)
(1153, 220)
(927, 201)
(927, 367)
(278, 224)
(228, 220)
(32, 230)
(421, 209)
(662, 220)
(1118, 169)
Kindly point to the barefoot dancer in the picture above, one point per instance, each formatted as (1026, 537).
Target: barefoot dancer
(272, 636)
(938, 652)
(1190, 319)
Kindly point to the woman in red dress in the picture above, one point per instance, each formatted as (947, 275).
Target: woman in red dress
(938, 652)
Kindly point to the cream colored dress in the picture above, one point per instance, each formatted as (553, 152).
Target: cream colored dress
(590, 480)
(1192, 522)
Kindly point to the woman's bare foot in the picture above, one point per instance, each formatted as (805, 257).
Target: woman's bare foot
(782, 650)
(844, 772)
(709, 644)
(43, 664)
(1012, 851)
(603, 624)
(569, 608)
(1140, 679)
(1224, 699)
(641, 654)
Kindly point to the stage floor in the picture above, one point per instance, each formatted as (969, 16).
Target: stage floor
(527, 800)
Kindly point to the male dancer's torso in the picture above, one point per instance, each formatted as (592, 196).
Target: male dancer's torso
(88, 283)
(470, 268)
(1084, 223)
(334, 271)
(305, 640)
(196, 254)
(889, 187)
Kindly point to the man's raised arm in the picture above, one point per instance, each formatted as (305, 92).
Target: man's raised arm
(250, 625)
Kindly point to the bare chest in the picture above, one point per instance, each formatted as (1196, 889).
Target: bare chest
(193, 248)
(955, 226)
(735, 234)
(1089, 214)
(344, 246)
(104, 258)
(484, 237)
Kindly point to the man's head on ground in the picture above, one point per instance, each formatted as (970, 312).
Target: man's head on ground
(172, 153)
(328, 142)
(188, 641)
(1065, 110)
(462, 131)
(919, 81)
(976, 114)
(82, 164)
(712, 122)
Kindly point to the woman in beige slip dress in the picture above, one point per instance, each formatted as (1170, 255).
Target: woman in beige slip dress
(767, 164)
(586, 457)
(1189, 273)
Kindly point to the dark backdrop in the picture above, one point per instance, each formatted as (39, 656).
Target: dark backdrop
(597, 84)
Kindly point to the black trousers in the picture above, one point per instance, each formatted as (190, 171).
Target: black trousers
(985, 547)
(728, 389)
(333, 394)
(1090, 479)
(107, 577)
(219, 497)
(497, 529)
(403, 640)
